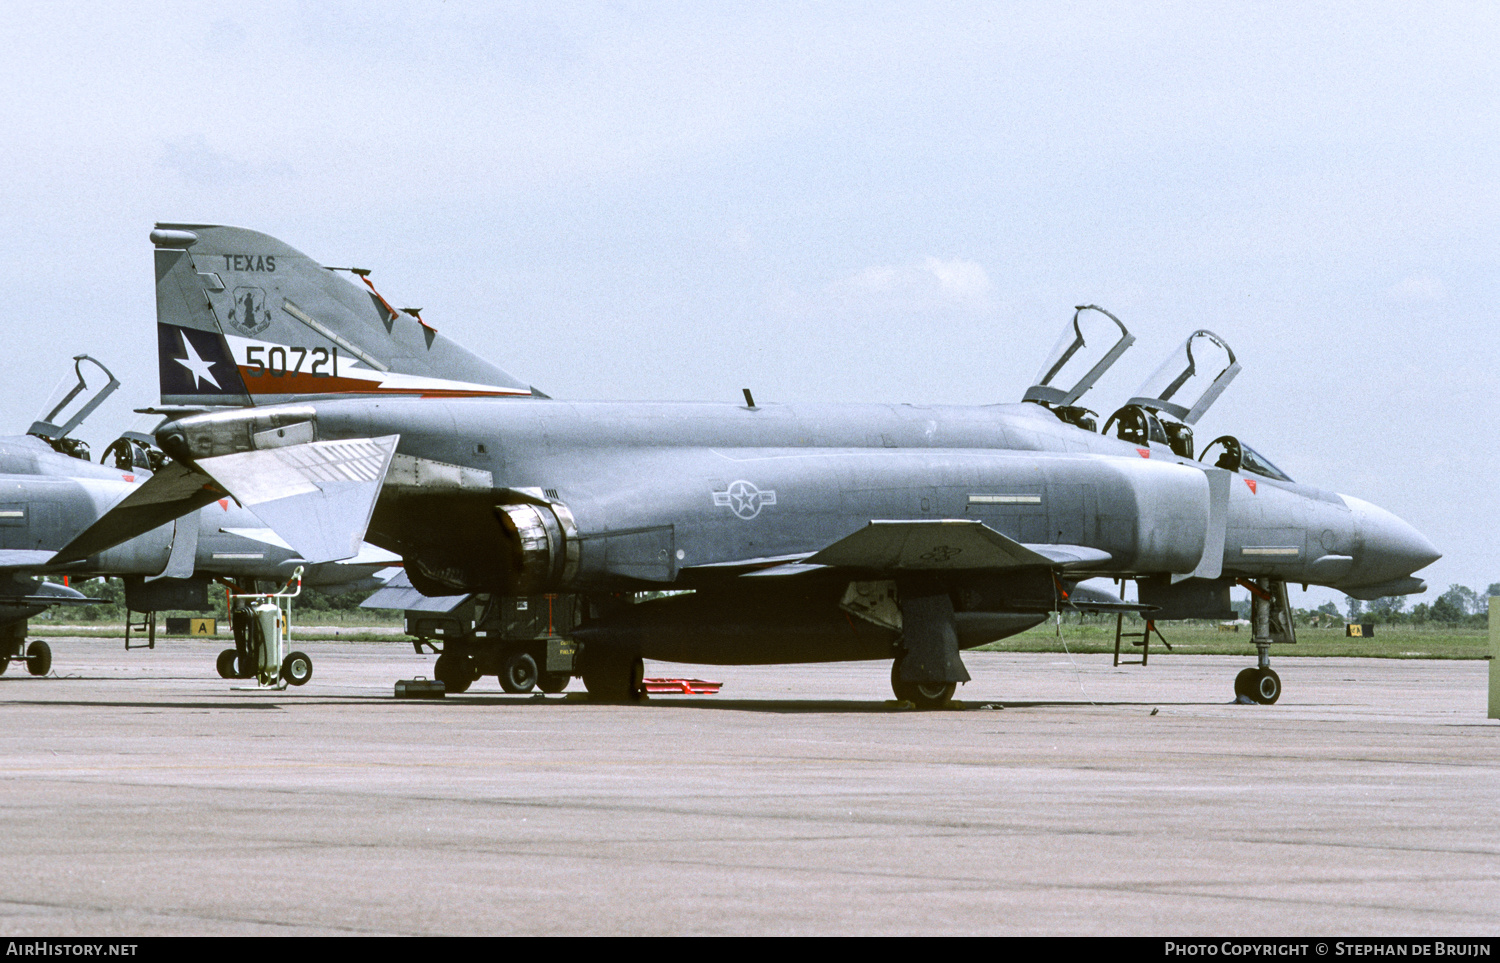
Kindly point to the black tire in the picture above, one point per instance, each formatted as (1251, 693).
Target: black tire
(553, 682)
(455, 672)
(246, 660)
(934, 695)
(39, 658)
(225, 664)
(613, 676)
(1267, 687)
(1244, 683)
(296, 668)
(923, 695)
(518, 673)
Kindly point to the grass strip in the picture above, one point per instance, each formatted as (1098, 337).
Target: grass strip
(1389, 642)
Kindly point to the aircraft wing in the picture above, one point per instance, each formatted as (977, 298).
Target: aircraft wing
(368, 554)
(172, 492)
(939, 545)
(1087, 598)
(317, 496)
(773, 564)
(24, 558)
(33, 593)
(28, 601)
(1070, 556)
(398, 593)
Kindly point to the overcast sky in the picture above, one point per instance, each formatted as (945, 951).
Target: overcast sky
(830, 202)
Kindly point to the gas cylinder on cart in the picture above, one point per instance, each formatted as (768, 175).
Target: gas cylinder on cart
(268, 626)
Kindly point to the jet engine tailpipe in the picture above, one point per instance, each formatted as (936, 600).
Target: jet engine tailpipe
(541, 547)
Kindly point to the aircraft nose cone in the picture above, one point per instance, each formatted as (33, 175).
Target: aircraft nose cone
(1392, 548)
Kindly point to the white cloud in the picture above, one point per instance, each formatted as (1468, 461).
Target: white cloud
(1419, 287)
(961, 280)
(927, 285)
(198, 162)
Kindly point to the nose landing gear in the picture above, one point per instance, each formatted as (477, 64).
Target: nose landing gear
(1271, 622)
(1260, 685)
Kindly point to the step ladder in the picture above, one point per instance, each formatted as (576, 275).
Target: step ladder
(146, 625)
(1144, 641)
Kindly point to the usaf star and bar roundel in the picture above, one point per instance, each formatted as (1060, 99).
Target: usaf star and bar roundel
(744, 499)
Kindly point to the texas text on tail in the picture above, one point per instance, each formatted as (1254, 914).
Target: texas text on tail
(803, 532)
(243, 319)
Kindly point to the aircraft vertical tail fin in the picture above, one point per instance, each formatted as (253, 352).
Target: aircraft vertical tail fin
(243, 319)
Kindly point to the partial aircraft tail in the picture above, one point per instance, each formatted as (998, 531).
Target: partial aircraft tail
(243, 319)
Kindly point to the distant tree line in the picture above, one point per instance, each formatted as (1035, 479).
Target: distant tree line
(1459, 606)
(1321, 617)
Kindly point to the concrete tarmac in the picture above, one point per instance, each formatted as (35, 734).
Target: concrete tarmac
(143, 795)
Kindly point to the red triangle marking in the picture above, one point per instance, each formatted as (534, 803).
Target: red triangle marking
(1251, 483)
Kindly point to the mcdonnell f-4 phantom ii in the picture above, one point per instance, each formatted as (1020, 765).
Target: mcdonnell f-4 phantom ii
(50, 494)
(730, 533)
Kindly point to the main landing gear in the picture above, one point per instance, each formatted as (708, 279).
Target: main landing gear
(929, 668)
(39, 658)
(1270, 623)
(923, 695)
(612, 676)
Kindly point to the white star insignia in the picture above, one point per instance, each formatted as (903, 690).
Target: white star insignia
(202, 370)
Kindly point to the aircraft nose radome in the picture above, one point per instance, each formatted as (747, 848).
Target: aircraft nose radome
(1391, 546)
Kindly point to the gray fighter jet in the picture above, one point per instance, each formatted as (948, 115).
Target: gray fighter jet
(50, 492)
(728, 533)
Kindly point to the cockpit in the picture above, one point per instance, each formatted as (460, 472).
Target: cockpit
(76, 397)
(1087, 348)
(1140, 427)
(1230, 453)
(1165, 407)
(73, 400)
(135, 450)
